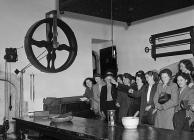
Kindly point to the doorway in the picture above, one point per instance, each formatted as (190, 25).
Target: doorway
(104, 57)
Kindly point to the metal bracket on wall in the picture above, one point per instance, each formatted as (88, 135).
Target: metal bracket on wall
(156, 38)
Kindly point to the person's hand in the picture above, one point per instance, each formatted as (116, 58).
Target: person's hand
(190, 85)
(117, 104)
(184, 104)
(87, 100)
(159, 107)
(148, 108)
(154, 111)
(130, 90)
(102, 115)
(192, 107)
(113, 81)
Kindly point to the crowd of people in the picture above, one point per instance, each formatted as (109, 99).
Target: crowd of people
(162, 100)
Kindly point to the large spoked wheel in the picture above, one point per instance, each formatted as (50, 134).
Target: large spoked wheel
(32, 46)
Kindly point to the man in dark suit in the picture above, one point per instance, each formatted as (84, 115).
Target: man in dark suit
(108, 96)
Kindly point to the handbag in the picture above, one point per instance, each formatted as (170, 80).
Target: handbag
(180, 121)
(164, 97)
(192, 127)
(148, 117)
(184, 104)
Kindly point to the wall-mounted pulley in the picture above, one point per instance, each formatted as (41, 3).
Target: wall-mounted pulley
(50, 44)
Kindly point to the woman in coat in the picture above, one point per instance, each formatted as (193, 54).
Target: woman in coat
(125, 103)
(185, 102)
(119, 79)
(88, 84)
(121, 102)
(136, 94)
(96, 93)
(165, 111)
(147, 102)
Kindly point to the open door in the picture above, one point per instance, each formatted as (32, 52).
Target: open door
(108, 60)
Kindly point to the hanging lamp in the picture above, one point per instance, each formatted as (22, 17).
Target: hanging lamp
(112, 35)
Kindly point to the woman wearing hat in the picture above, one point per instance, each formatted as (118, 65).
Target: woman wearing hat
(164, 106)
(108, 96)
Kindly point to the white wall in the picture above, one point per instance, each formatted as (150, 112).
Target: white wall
(18, 15)
(16, 18)
(131, 41)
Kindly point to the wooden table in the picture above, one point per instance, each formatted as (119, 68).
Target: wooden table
(88, 129)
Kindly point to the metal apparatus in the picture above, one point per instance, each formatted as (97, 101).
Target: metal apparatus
(111, 117)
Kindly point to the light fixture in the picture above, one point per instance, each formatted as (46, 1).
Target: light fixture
(112, 35)
(111, 18)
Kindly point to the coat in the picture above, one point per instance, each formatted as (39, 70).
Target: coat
(103, 97)
(89, 95)
(144, 102)
(165, 112)
(136, 95)
(187, 95)
(96, 98)
(122, 99)
(129, 104)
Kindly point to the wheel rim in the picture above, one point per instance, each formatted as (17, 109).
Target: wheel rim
(47, 44)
